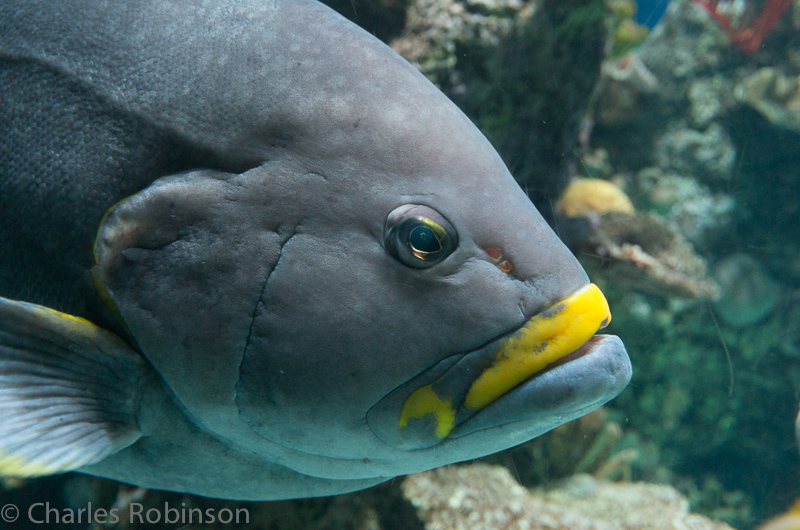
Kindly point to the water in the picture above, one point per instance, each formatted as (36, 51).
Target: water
(650, 12)
(699, 125)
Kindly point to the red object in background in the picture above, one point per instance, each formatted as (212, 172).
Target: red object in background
(749, 39)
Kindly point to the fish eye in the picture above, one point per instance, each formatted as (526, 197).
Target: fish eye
(418, 236)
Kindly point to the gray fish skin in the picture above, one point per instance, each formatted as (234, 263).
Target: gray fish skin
(262, 145)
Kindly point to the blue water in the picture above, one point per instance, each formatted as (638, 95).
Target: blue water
(650, 11)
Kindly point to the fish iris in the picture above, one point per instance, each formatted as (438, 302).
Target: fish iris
(424, 241)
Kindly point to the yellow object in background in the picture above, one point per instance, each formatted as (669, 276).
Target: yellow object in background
(585, 195)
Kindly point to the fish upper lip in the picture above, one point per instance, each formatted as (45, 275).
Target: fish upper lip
(554, 333)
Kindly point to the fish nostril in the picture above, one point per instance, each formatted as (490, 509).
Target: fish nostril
(503, 264)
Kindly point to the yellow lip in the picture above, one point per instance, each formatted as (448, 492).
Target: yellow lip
(547, 337)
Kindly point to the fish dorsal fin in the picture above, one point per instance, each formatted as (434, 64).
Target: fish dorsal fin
(68, 391)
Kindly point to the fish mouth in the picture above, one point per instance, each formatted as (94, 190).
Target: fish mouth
(498, 383)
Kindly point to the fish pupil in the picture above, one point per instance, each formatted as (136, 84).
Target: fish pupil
(424, 241)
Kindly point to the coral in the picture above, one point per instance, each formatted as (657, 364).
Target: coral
(624, 77)
(684, 45)
(629, 70)
(749, 295)
(595, 443)
(712, 499)
(651, 88)
(530, 93)
(714, 152)
(705, 412)
(748, 38)
(687, 206)
(624, 82)
(701, 154)
(588, 195)
(435, 29)
(774, 95)
(642, 251)
(710, 98)
(489, 57)
(480, 496)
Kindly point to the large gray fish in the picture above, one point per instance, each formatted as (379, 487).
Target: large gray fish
(258, 255)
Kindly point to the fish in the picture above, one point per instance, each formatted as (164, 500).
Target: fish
(249, 252)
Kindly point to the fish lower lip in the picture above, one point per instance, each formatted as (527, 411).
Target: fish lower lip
(587, 348)
(569, 388)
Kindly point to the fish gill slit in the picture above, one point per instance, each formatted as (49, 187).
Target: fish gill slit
(259, 302)
(260, 299)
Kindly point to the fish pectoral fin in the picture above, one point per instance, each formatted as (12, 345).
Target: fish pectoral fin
(68, 391)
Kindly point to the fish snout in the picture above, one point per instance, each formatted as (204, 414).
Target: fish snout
(446, 398)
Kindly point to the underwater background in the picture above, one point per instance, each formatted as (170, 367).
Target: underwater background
(662, 142)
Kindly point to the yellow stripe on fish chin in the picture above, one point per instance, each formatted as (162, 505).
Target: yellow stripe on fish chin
(424, 402)
(545, 338)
